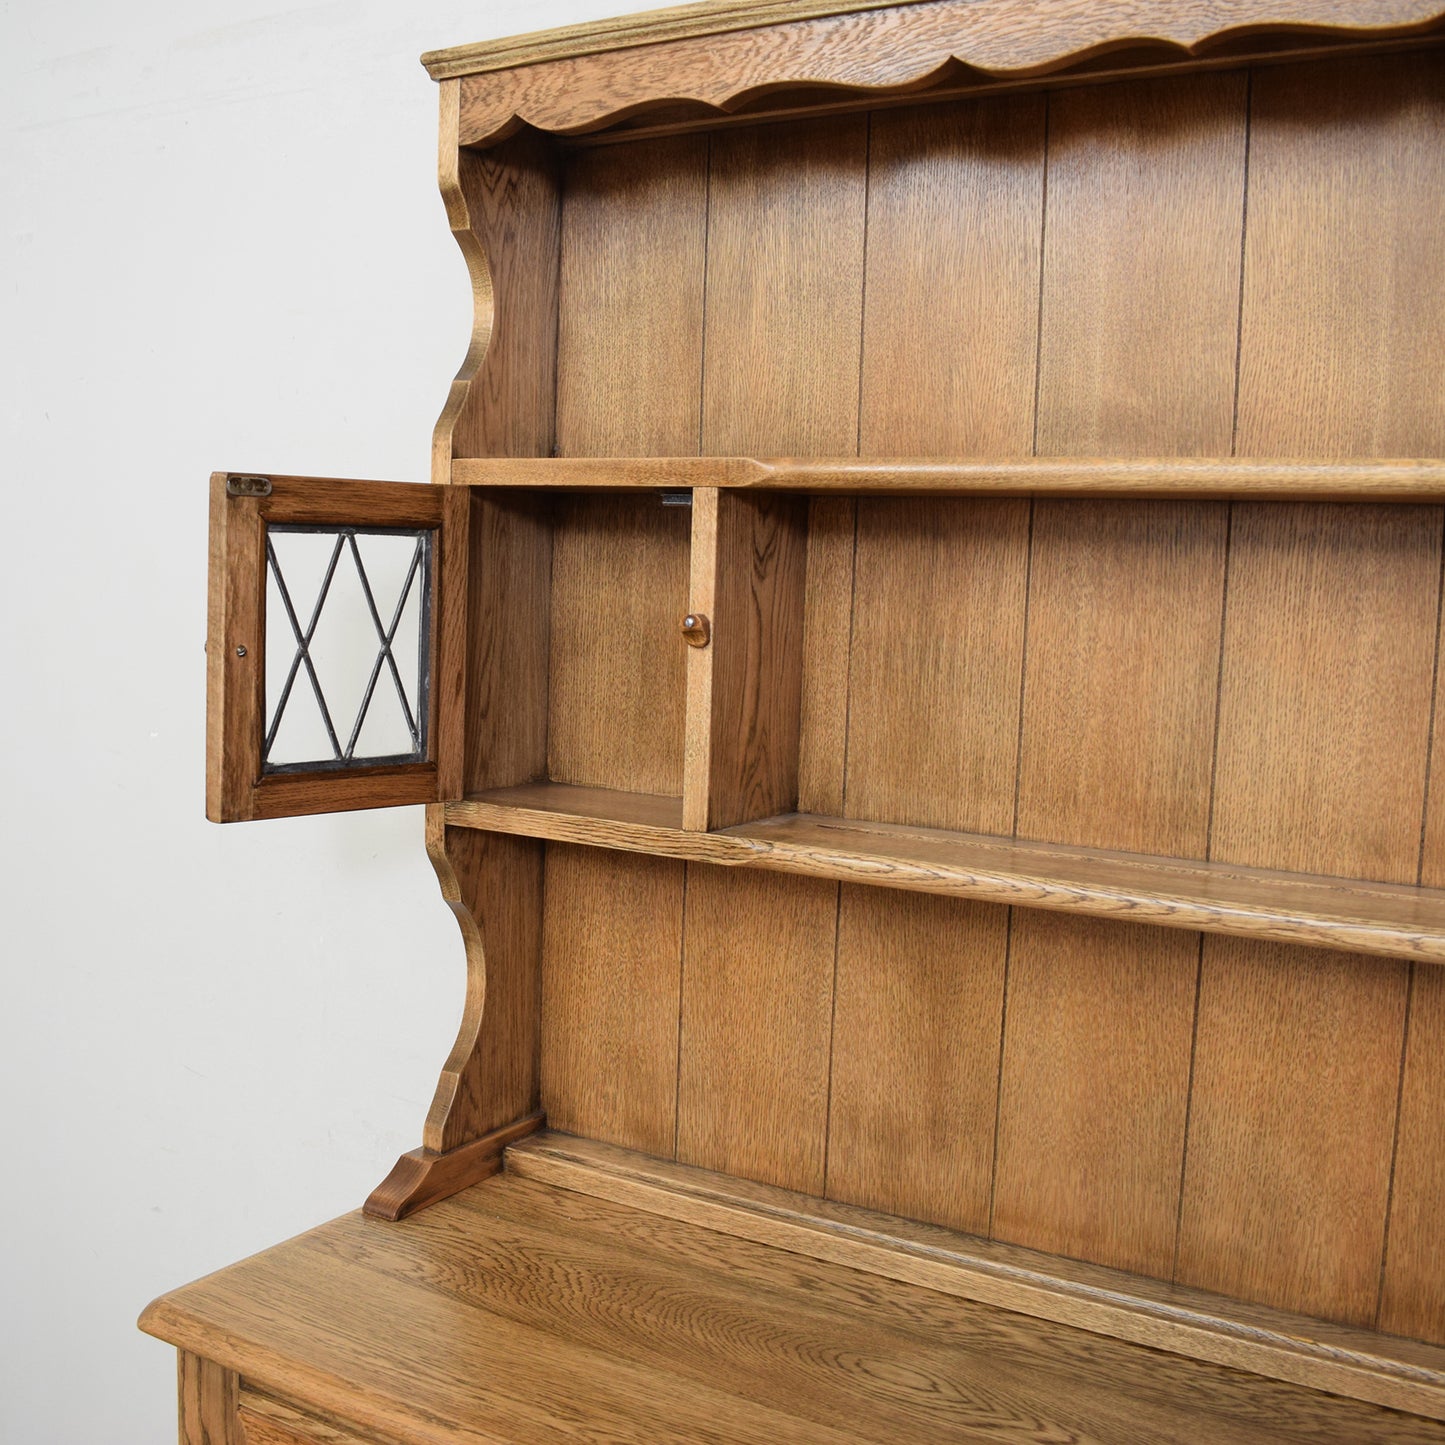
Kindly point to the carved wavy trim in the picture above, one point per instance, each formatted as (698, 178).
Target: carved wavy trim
(896, 49)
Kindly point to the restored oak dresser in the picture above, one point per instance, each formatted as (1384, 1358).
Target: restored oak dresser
(921, 652)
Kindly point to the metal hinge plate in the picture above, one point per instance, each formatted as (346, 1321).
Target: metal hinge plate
(239, 486)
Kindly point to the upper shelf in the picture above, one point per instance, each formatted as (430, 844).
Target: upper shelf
(1407, 480)
(1381, 918)
(695, 62)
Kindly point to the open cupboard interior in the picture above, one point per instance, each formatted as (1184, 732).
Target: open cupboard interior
(1040, 865)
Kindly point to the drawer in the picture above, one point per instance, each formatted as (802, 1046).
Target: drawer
(264, 1421)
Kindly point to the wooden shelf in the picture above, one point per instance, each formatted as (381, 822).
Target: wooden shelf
(591, 1291)
(1202, 478)
(1379, 918)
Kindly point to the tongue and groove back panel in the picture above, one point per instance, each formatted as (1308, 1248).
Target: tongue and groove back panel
(1234, 263)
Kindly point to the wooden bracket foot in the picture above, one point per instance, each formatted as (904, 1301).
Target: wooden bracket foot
(422, 1176)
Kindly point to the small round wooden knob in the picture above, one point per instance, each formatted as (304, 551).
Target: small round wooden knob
(696, 629)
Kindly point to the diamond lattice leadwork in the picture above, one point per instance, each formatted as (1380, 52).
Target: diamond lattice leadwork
(359, 644)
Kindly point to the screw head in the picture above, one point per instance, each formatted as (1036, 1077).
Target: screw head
(240, 652)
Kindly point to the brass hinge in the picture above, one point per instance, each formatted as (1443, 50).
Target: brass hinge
(237, 486)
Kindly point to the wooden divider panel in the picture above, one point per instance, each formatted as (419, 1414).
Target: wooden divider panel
(1094, 1091)
(1412, 1298)
(1342, 321)
(757, 998)
(618, 691)
(784, 315)
(1291, 1126)
(629, 345)
(1136, 357)
(915, 1055)
(611, 980)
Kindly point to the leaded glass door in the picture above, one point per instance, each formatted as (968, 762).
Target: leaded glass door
(335, 656)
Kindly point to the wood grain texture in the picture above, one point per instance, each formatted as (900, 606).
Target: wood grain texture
(785, 290)
(1388, 919)
(206, 1397)
(236, 787)
(757, 997)
(422, 1176)
(629, 345)
(1329, 652)
(1412, 1290)
(265, 1421)
(508, 639)
(1142, 242)
(566, 1315)
(1122, 674)
(611, 980)
(950, 325)
(1190, 1323)
(617, 694)
(1273, 479)
(938, 622)
(1092, 1109)
(1291, 1127)
(916, 1033)
(898, 50)
(827, 641)
(493, 885)
(1344, 300)
(744, 689)
(504, 209)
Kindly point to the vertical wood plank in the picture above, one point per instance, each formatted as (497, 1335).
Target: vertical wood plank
(915, 1055)
(611, 974)
(784, 290)
(1342, 302)
(1122, 673)
(938, 621)
(1136, 355)
(1094, 1089)
(511, 197)
(1325, 692)
(510, 602)
(629, 348)
(617, 695)
(1295, 1083)
(749, 555)
(1412, 1300)
(207, 1398)
(1141, 267)
(1343, 322)
(493, 884)
(950, 329)
(756, 1020)
(827, 640)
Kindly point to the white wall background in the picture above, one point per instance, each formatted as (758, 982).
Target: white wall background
(221, 246)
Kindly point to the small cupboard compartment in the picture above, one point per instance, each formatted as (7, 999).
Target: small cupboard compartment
(576, 666)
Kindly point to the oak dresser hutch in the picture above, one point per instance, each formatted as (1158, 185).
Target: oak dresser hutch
(921, 653)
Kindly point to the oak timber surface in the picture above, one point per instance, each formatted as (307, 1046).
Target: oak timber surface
(519, 1311)
(1394, 920)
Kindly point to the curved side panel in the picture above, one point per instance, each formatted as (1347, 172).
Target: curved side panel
(909, 49)
(504, 210)
(488, 1093)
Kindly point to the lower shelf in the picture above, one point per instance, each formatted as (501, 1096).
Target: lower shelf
(587, 1292)
(1380, 918)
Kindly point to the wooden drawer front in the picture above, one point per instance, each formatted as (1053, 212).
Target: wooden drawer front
(264, 1421)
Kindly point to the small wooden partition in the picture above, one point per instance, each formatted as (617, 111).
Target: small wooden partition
(1026, 881)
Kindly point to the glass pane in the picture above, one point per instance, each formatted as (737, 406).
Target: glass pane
(346, 647)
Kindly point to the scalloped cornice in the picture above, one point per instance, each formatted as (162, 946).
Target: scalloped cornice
(723, 55)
